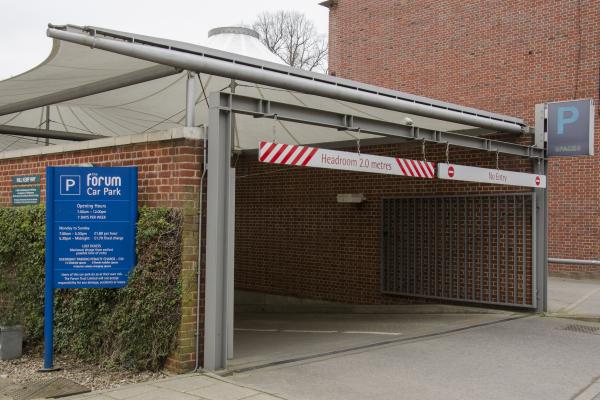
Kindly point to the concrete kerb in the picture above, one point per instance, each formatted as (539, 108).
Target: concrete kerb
(252, 302)
(577, 317)
(192, 384)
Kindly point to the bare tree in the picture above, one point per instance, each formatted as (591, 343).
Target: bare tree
(294, 38)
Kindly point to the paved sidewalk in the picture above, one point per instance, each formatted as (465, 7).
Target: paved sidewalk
(182, 387)
(571, 297)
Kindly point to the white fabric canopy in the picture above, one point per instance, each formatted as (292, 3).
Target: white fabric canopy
(160, 104)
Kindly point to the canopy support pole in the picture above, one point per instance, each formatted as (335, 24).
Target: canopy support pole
(540, 219)
(540, 242)
(47, 124)
(190, 101)
(217, 235)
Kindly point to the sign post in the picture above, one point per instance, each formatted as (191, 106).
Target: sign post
(91, 214)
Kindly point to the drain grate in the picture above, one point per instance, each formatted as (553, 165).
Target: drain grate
(579, 328)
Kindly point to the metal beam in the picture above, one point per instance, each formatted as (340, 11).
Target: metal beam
(105, 85)
(197, 59)
(260, 108)
(217, 236)
(46, 133)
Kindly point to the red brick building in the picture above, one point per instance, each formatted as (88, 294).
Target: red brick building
(502, 56)
(406, 240)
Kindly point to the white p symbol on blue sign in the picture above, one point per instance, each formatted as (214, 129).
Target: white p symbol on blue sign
(566, 115)
(70, 185)
(571, 128)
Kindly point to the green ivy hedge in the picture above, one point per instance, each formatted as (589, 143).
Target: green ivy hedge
(133, 328)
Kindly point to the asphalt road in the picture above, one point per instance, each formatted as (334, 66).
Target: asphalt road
(529, 358)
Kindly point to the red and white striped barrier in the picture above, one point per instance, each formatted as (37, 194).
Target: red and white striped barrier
(304, 156)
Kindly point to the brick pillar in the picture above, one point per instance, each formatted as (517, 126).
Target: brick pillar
(187, 186)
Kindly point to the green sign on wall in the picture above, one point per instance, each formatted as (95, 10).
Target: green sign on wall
(24, 195)
(26, 179)
(26, 190)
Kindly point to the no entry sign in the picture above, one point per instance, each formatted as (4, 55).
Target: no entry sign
(485, 175)
(304, 156)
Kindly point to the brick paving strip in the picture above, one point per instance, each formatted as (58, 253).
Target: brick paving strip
(182, 387)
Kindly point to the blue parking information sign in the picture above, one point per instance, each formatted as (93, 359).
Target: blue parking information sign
(91, 215)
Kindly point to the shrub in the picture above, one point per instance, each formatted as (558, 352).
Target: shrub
(133, 328)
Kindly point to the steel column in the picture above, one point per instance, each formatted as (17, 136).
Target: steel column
(230, 271)
(217, 237)
(540, 218)
(190, 101)
(541, 242)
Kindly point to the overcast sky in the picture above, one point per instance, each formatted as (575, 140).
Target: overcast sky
(23, 41)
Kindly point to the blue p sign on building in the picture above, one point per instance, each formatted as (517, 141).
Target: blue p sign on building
(571, 128)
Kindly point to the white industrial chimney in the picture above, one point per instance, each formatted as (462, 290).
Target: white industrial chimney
(240, 40)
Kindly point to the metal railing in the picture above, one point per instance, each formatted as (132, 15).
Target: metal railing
(466, 248)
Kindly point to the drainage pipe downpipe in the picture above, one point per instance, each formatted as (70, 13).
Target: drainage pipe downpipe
(573, 261)
(279, 79)
(198, 274)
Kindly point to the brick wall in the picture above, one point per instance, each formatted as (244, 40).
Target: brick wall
(502, 56)
(293, 238)
(169, 176)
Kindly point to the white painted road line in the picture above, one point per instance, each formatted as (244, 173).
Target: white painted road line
(317, 331)
(373, 333)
